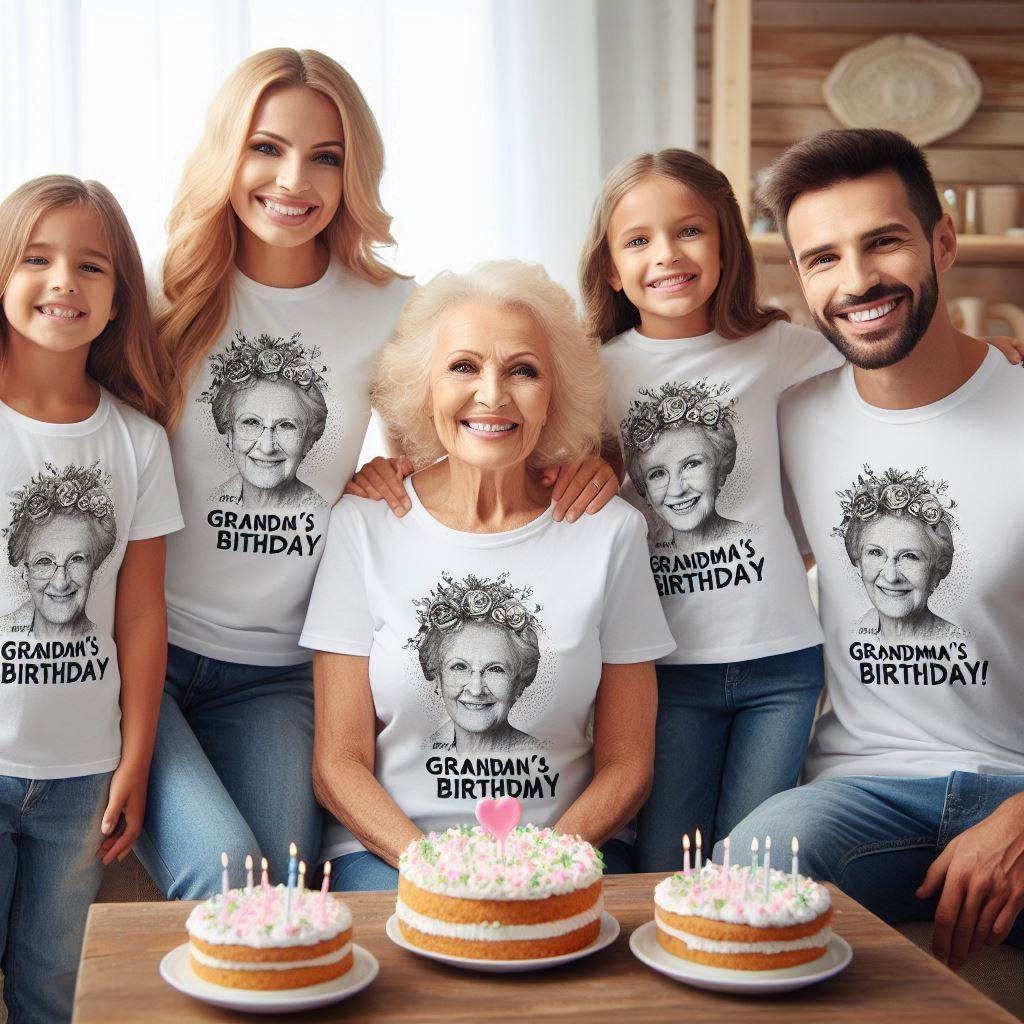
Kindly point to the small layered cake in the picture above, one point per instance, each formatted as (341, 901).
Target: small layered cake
(462, 894)
(726, 920)
(244, 941)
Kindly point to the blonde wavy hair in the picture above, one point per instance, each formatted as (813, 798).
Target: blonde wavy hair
(401, 383)
(202, 228)
(735, 311)
(125, 358)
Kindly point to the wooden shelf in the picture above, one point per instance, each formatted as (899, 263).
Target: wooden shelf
(984, 249)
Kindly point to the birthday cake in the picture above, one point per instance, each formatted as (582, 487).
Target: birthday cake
(535, 894)
(726, 917)
(261, 937)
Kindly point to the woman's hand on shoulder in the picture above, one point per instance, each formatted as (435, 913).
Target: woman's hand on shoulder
(583, 486)
(382, 479)
(1012, 348)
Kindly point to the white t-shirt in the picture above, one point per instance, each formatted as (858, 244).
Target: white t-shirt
(924, 636)
(542, 606)
(77, 493)
(696, 420)
(272, 430)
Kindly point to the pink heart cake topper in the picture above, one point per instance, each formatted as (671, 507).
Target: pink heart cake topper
(499, 817)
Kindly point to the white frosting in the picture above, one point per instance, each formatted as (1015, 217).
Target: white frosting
(285, 965)
(254, 918)
(740, 898)
(819, 940)
(493, 931)
(468, 863)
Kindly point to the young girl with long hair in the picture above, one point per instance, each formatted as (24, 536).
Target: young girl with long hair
(272, 304)
(83, 626)
(697, 366)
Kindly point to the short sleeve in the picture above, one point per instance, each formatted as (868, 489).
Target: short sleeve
(338, 618)
(803, 354)
(633, 626)
(157, 511)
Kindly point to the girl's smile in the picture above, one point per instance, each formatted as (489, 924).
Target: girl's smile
(663, 238)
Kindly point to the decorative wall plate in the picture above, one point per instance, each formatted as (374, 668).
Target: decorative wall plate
(904, 83)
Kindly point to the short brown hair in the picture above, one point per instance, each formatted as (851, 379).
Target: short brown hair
(831, 157)
(735, 311)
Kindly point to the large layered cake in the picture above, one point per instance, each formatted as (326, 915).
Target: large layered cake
(727, 918)
(464, 893)
(257, 938)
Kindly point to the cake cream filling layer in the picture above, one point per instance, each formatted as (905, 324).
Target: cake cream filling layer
(284, 965)
(496, 932)
(816, 941)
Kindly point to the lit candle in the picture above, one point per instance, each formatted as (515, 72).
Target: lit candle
(224, 875)
(323, 890)
(686, 856)
(302, 886)
(697, 864)
(265, 886)
(795, 847)
(293, 868)
(248, 872)
(767, 865)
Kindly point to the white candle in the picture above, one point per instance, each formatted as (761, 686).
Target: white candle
(686, 856)
(752, 873)
(697, 865)
(795, 847)
(248, 872)
(767, 865)
(224, 875)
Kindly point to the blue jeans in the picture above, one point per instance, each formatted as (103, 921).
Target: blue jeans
(49, 874)
(363, 871)
(728, 737)
(232, 771)
(875, 837)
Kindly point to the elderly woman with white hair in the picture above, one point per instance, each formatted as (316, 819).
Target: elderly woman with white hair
(476, 647)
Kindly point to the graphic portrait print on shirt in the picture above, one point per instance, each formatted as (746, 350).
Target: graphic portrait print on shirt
(898, 530)
(62, 527)
(267, 400)
(478, 646)
(679, 446)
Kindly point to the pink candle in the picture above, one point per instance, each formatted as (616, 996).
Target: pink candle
(323, 890)
(265, 886)
(301, 888)
(697, 865)
(248, 872)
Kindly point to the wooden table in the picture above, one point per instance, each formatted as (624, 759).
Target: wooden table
(889, 979)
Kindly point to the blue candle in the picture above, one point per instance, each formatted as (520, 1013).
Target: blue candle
(293, 871)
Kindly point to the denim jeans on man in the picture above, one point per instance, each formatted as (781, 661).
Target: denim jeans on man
(875, 837)
(728, 737)
(232, 771)
(49, 874)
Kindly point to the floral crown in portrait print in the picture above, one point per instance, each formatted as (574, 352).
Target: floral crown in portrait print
(895, 492)
(673, 406)
(265, 358)
(474, 599)
(60, 490)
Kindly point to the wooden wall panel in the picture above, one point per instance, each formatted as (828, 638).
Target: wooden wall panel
(797, 42)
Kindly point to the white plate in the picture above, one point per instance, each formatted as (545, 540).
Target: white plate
(176, 970)
(646, 948)
(605, 937)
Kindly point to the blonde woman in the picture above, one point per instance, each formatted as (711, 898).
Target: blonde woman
(273, 304)
(477, 647)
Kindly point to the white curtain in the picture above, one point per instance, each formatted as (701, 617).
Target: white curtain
(500, 117)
